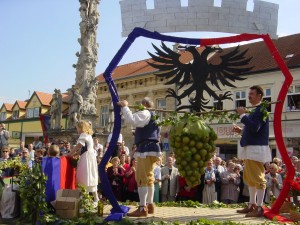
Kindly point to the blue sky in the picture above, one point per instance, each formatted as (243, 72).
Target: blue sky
(38, 42)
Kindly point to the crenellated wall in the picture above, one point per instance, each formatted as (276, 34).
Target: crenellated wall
(200, 15)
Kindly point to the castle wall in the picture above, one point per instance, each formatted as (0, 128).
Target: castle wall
(200, 15)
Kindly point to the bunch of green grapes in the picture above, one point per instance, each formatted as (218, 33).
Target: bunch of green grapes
(193, 143)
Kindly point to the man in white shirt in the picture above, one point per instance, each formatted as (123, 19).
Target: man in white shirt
(146, 137)
(98, 149)
(31, 152)
(37, 144)
(217, 165)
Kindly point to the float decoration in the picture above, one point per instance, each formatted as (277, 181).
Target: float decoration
(119, 211)
(230, 68)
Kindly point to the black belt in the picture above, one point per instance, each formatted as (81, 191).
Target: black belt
(83, 149)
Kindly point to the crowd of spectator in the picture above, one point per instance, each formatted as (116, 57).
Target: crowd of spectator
(222, 180)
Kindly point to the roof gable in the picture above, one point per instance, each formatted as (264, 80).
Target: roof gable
(20, 104)
(44, 98)
(8, 106)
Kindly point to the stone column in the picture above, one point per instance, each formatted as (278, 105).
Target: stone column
(86, 81)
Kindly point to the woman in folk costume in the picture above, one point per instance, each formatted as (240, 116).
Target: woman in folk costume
(209, 192)
(87, 168)
(147, 135)
(274, 182)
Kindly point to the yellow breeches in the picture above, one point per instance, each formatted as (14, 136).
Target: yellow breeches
(254, 174)
(144, 175)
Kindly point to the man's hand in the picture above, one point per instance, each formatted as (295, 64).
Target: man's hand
(237, 129)
(122, 103)
(240, 110)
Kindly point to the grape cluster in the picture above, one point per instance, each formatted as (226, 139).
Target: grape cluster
(193, 143)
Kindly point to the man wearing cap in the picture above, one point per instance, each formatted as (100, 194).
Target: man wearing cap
(147, 135)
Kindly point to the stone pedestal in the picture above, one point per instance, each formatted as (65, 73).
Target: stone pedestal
(70, 135)
(94, 119)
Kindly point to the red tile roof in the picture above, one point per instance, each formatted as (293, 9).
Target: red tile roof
(262, 59)
(8, 106)
(21, 104)
(44, 98)
(141, 67)
(65, 98)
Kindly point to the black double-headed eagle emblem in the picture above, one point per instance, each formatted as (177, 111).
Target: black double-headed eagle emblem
(198, 72)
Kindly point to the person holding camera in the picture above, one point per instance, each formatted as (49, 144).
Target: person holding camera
(4, 136)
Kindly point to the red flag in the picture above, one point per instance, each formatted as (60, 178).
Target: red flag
(45, 123)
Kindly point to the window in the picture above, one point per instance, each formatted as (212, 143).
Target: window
(29, 113)
(15, 114)
(3, 116)
(267, 97)
(240, 99)
(104, 115)
(161, 104)
(293, 98)
(33, 112)
(36, 112)
(218, 105)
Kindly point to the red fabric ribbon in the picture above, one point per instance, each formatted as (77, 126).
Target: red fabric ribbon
(278, 109)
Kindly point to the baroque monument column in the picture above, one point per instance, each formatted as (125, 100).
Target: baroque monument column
(86, 81)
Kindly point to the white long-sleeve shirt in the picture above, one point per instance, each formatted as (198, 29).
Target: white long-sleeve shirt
(137, 119)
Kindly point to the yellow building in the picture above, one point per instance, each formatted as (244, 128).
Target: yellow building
(23, 119)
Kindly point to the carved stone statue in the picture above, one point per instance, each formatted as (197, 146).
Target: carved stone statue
(111, 119)
(56, 112)
(88, 55)
(90, 95)
(75, 108)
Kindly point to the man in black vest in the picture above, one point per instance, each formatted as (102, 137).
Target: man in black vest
(147, 135)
